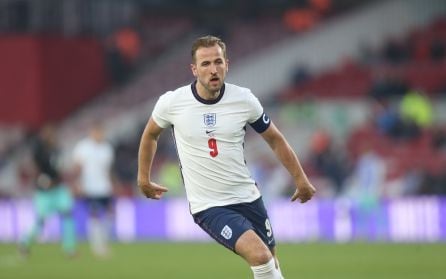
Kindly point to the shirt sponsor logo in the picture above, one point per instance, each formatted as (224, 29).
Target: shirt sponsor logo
(226, 232)
(210, 119)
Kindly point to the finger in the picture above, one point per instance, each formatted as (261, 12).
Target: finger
(160, 188)
(295, 196)
(148, 191)
(306, 198)
(158, 194)
(157, 187)
(153, 196)
(303, 197)
(153, 190)
(148, 194)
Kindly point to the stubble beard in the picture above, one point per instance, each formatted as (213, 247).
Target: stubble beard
(212, 90)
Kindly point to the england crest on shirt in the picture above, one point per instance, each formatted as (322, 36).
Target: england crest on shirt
(210, 119)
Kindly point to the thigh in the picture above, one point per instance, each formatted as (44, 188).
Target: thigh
(42, 203)
(257, 215)
(223, 224)
(252, 248)
(98, 206)
(63, 200)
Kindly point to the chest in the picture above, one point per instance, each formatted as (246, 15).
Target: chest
(224, 122)
(96, 155)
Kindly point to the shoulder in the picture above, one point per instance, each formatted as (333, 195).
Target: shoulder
(232, 88)
(179, 92)
(82, 144)
(175, 95)
(241, 94)
(80, 149)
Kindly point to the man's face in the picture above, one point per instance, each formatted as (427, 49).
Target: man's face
(97, 134)
(210, 68)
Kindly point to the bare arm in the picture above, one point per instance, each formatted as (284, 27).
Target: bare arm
(304, 189)
(146, 153)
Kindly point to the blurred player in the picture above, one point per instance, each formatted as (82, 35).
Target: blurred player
(51, 195)
(208, 118)
(93, 158)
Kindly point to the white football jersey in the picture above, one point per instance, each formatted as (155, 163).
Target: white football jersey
(95, 159)
(209, 137)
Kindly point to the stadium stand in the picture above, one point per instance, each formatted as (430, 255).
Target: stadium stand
(410, 148)
(266, 55)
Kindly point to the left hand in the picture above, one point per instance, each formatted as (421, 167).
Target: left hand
(304, 192)
(152, 190)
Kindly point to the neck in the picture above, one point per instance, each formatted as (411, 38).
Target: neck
(206, 94)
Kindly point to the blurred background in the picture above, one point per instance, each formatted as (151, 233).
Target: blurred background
(357, 87)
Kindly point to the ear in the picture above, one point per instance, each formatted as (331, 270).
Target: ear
(193, 68)
(227, 65)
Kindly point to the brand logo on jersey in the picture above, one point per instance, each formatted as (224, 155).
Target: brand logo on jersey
(210, 119)
(226, 232)
(208, 132)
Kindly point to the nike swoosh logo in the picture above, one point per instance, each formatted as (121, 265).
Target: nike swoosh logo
(209, 131)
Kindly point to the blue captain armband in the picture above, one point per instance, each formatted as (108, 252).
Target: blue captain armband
(261, 124)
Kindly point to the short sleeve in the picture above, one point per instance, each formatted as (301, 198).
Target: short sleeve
(160, 113)
(258, 119)
(254, 107)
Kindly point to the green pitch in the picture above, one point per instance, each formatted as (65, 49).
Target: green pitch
(210, 261)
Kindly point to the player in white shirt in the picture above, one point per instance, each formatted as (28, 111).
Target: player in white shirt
(93, 157)
(209, 118)
(209, 137)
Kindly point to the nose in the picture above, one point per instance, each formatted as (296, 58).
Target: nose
(213, 69)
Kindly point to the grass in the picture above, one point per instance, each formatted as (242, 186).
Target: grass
(210, 261)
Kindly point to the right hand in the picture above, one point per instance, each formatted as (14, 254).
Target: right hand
(304, 192)
(152, 190)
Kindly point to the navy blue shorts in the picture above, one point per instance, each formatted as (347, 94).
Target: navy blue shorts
(99, 206)
(227, 223)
